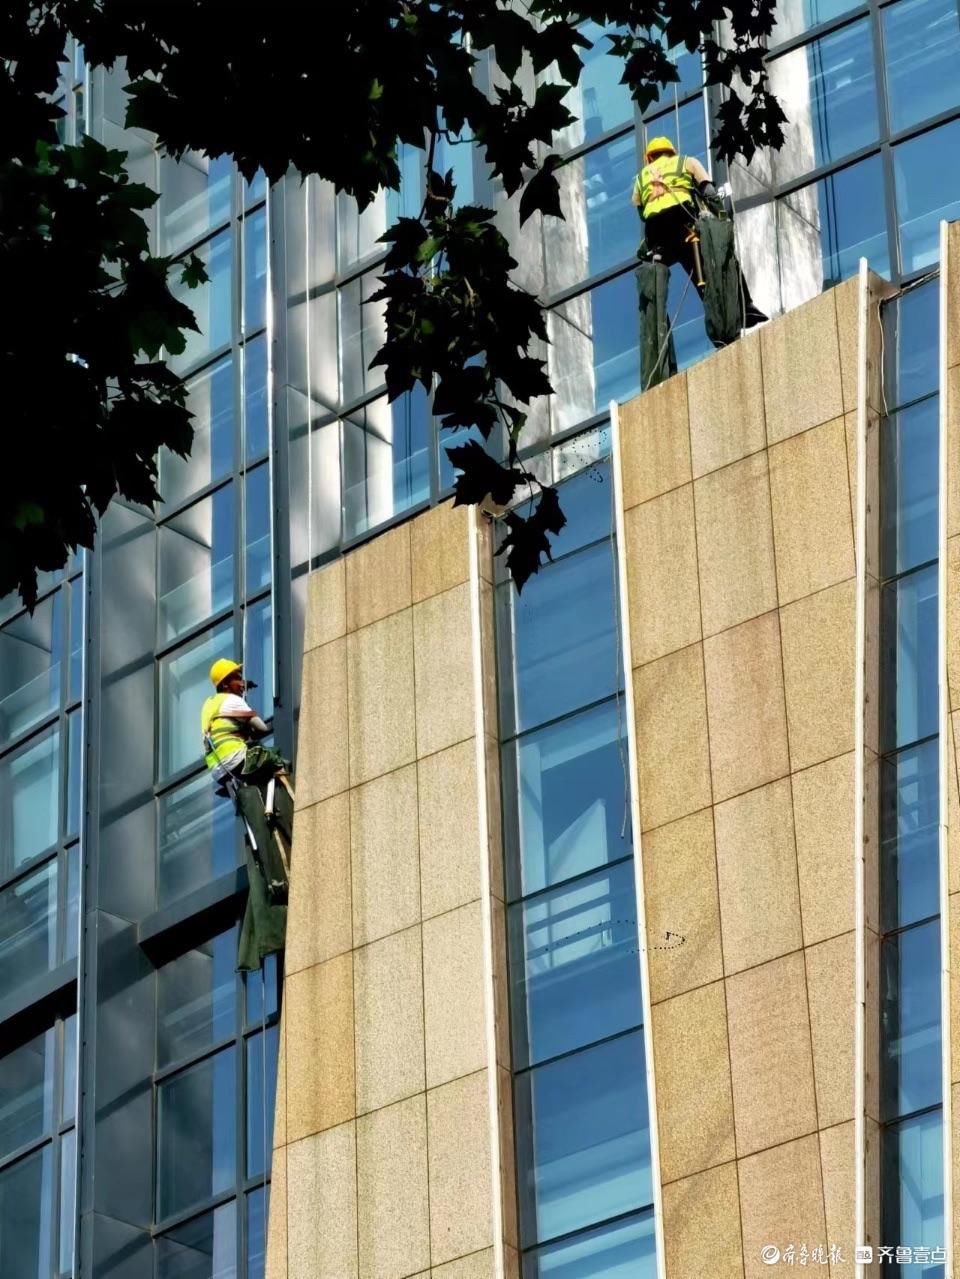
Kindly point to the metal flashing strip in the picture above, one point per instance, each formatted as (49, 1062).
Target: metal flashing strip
(625, 640)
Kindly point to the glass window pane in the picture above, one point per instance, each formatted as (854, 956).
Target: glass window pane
(255, 983)
(197, 999)
(198, 838)
(574, 964)
(910, 1026)
(796, 16)
(29, 807)
(261, 1094)
(31, 649)
(358, 233)
(257, 1208)
(196, 1133)
(28, 927)
(565, 639)
(204, 1248)
(26, 1216)
(599, 101)
(908, 683)
(909, 480)
(685, 126)
(194, 198)
(362, 331)
(625, 1250)
(570, 799)
(593, 356)
(828, 91)
(211, 303)
(258, 647)
(255, 271)
(258, 564)
(184, 685)
(210, 400)
(256, 189)
(26, 1093)
(71, 914)
(386, 460)
(196, 564)
(584, 1139)
(912, 331)
(256, 428)
(600, 227)
(913, 1173)
(74, 758)
(75, 690)
(68, 1189)
(921, 41)
(68, 1099)
(928, 192)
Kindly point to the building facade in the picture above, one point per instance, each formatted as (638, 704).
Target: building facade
(572, 1049)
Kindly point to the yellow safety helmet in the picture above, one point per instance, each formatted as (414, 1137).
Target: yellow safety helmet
(659, 146)
(221, 668)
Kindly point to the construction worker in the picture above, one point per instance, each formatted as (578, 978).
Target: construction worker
(256, 777)
(670, 192)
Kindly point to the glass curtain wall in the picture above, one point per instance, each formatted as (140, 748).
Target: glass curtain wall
(911, 1085)
(582, 1127)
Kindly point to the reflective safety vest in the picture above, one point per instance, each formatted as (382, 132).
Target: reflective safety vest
(663, 184)
(223, 731)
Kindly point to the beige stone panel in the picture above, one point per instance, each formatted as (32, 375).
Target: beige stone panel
(846, 296)
(953, 804)
(322, 1206)
(318, 1012)
(443, 655)
(449, 830)
(662, 575)
(832, 994)
(453, 994)
(955, 1100)
(458, 1137)
(770, 1056)
(680, 891)
(388, 998)
(280, 1104)
(823, 804)
(735, 543)
(276, 1260)
(322, 756)
(381, 698)
(378, 578)
(817, 635)
(384, 839)
(319, 915)
(953, 468)
(801, 369)
(953, 294)
(693, 1082)
(745, 708)
(872, 664)
(671, 721)
(953, 620)
(838, 1161)
(326, 618)
(655, 441)
(954, 902)
(873, 483)
(439, 550)
(479, 1265)
(781, 1201)
(811, 511)
(726, 406)
(757, 874)
(393, 1226)
(701, 1225)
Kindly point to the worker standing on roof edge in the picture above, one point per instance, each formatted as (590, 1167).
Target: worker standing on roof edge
(669, 193)
(256, 777)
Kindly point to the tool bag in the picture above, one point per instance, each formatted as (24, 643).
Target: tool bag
(721, 274)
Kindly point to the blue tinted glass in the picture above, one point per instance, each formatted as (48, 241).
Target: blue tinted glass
(452, 439)
(912, 330)
(257, 1207)
(909, 835)
(848, 213)
(795, 16)
(456, 154)
(910, 1000)
(26, 1216)
(68, 1185)
(583, 1138)
(908, 690)
(587, 503)
(254, 984)
(829, 94)
(593, 355)
(76, 639)
(685, 126)
(31, 649)
(921, 41)
(255, 420)
(196, 559)
(75, 739)
(29, 808)
(195, 196)
(261, 1094)
(26, 1093)
(910, 482)
(196, 1133)
(258, 646)
(565, 638)
(198, 839)
(255, 271)
(913, 1170)
(690, 72)
(256, 189)
(197, 999)
(571, 799)
(28, 927)
(210, 400)
(68, 1102)
(71, 912)
(258, 564)
(625, 1250)
(600, 101)
(601, 228)
(211, 303)
(928, 192)
(574, 965)
(204, 1248)
(184, 686)
(386, 460)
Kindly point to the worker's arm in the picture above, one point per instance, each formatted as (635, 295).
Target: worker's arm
(702, 179)
(635, 195)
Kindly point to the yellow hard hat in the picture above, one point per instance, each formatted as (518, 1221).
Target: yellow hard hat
(659, 146)
(221, 668)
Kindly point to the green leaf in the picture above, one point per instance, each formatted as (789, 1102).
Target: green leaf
(194, 272)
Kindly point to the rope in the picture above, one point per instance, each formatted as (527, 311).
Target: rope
(670, 324)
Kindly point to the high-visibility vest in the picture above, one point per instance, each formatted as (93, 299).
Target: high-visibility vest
(670, 172)
(222, 731)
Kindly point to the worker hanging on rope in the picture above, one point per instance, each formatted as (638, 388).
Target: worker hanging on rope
(256, 778)
(684, 222)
